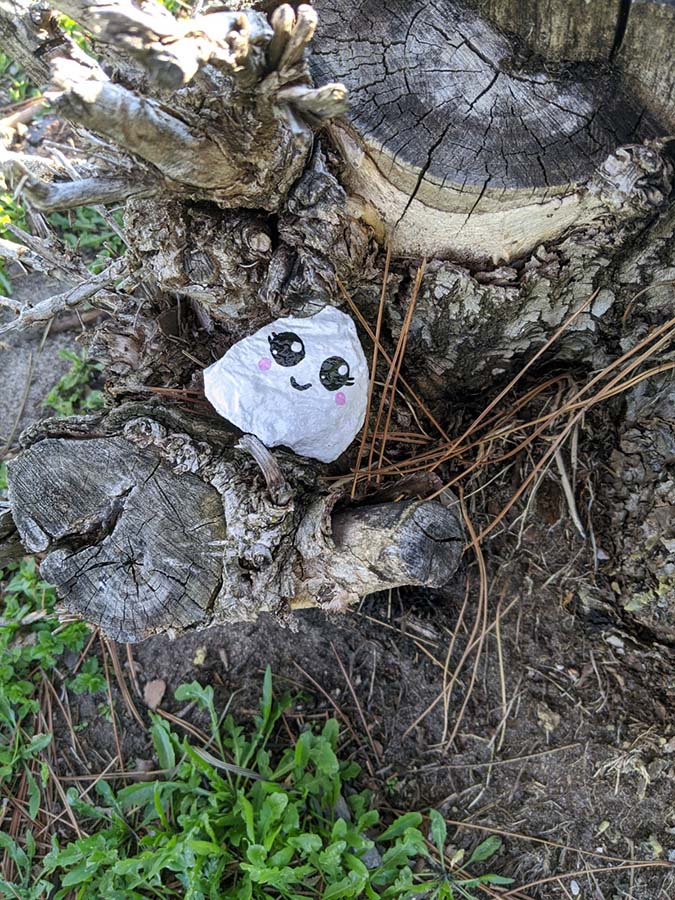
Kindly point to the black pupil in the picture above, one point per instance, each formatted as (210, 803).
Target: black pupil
(286, 348)
(334, 373)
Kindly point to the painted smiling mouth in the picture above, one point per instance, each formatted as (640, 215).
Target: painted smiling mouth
(300, 387)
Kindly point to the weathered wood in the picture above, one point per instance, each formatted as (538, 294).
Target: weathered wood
(147, 528)
(10, 544)
(29, 34)
(240, 267)
(133, 554)
(647, 55)
(45, 310)
(573, 30)
(470, 332)
(256, 215)
(451, 147)
(252, 165)
(89, 191)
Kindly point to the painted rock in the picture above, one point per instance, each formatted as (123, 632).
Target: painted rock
(299, 383)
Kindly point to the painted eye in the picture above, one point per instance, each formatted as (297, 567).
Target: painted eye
(286, 348)
(334, 373)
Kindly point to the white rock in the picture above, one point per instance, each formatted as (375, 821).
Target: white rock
(300, 383)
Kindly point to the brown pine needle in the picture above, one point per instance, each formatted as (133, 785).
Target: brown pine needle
(355, 698)
(528, 365)
(602, 394)
(646, 864)
(369, 331)
(398, 357)
(481, 616)
(373, 369)
(124, 690)
(111, 704)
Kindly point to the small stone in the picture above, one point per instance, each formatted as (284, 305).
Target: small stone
(615, 641)
(145, 766)
(549, 719)
(300, 383)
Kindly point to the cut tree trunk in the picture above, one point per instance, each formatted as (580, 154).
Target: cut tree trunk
(529, 167)
(154, 521)
(458, 148)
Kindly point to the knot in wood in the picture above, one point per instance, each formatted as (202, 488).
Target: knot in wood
(635, 175)
(178, 450)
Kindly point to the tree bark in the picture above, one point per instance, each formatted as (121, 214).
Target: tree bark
(530, 168)
(155, 521)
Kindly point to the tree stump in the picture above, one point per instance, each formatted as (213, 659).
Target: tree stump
(531, 170)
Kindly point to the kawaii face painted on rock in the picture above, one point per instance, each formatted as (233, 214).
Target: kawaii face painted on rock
(300, 383)
(288, 350)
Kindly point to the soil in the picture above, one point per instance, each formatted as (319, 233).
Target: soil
(567, 742)
(30, 365)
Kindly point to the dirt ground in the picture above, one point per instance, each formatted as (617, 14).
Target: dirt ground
(29, 364)
(567, 740)
(557, 731)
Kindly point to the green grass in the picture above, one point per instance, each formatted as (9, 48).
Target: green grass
(14, 81)
(73, 392)
(84, 230)
(31, 645)
(248, 819)
(11, 213)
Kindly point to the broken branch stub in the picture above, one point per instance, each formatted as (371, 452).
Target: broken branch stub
(224, 115)
(153, 521)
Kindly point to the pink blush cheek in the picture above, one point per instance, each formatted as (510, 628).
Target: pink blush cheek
(264, 364)
(340, 398)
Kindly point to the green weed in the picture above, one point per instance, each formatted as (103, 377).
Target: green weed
(73, 392)
(31, 643)
(90, 679)
(11, 213)
(248, 821)
(85, 230)
(82, 229)
(76, 33)
(14, 81)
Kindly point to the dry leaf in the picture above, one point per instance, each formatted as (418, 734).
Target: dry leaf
(153, 692)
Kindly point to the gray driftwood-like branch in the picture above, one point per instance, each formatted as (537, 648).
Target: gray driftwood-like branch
(254, 81)
(152, 521)
(61, 195)
(42, 312)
